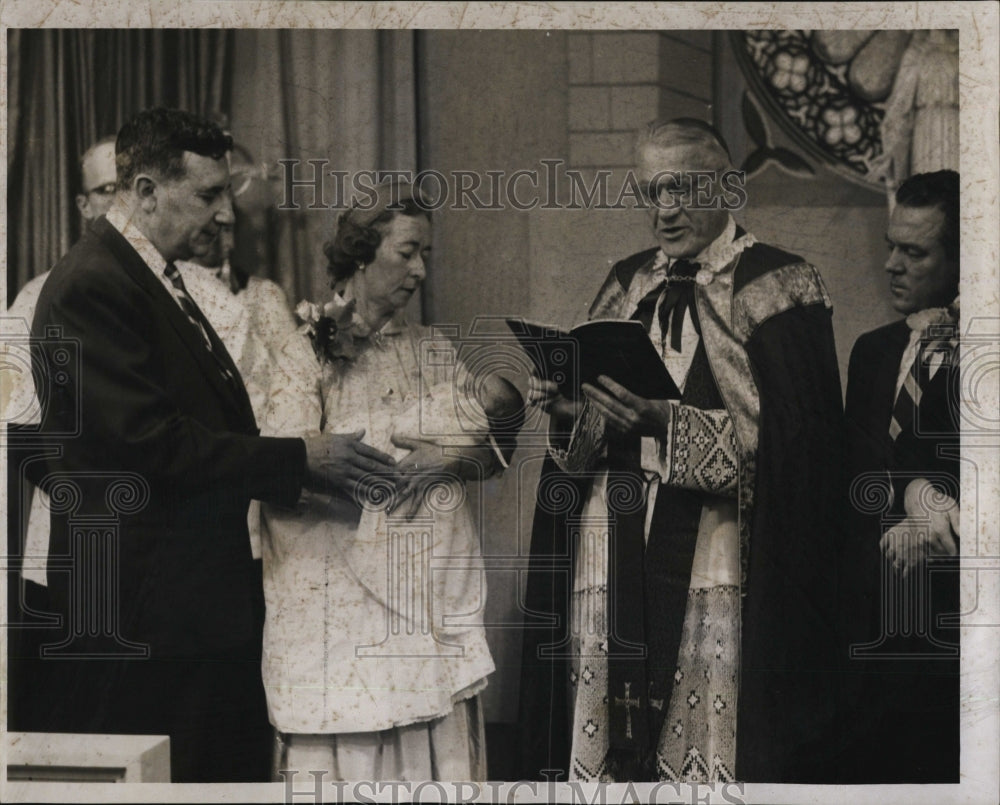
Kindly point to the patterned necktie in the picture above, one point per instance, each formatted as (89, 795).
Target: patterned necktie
(939, 340)
(197, 318)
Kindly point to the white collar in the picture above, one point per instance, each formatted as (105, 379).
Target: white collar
(928, 317)
(120, 219)
(716, 256)
(359, 327)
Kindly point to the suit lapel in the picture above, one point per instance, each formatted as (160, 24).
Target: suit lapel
(141, 274)
(237, 391)
(886, 373)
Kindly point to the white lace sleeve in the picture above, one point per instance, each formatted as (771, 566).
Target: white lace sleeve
(294, 405)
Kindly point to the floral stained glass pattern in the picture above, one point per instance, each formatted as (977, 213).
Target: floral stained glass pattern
(826, 89)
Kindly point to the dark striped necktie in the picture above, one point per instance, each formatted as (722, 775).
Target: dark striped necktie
(938, 340)
(908, 399)
(196, 317)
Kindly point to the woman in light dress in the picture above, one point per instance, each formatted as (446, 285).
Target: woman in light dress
(374, 646)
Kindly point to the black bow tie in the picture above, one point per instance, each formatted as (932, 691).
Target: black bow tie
(678, 298)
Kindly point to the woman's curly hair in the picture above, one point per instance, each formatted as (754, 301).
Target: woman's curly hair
(354, 244)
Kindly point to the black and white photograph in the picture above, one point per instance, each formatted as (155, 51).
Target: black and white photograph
(527, 402)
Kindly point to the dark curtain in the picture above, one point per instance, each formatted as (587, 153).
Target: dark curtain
(345, 96)
(69, 88)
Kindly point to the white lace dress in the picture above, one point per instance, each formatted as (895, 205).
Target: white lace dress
(373, 622)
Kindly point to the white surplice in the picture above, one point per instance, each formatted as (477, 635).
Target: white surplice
(698, 740)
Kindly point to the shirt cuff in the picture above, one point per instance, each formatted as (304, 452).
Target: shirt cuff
(498, 452)
(653, 456)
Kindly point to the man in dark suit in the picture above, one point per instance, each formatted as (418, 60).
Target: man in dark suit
(159, 456)
(903, 442)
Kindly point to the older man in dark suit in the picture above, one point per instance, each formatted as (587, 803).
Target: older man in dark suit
(903, 446)
(149, 560)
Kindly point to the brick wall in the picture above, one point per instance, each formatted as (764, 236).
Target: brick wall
(619, 81)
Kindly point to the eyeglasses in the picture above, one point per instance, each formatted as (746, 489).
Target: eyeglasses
(107, 189)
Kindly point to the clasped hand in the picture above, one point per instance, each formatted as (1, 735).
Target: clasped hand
(343, 464)
(923, 532)
(340, 463)
(429, 463)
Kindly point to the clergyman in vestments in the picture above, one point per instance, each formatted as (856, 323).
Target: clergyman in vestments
(706, 652)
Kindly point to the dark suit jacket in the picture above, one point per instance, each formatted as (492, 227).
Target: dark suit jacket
(929, 446)
(903, 715)
(147, 400)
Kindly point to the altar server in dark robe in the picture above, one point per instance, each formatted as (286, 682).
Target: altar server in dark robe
(680, 593)
(901, 563)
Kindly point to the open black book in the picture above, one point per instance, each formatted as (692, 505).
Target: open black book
(618, 348)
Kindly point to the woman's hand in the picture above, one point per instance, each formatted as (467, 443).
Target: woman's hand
(428, 463)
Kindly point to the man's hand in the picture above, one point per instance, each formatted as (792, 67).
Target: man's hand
(954, 517)
(628, 413)
(545, 394)
(341, 463)
(925, 531)
(428, 463)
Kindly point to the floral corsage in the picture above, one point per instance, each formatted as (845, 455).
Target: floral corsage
(331, 328)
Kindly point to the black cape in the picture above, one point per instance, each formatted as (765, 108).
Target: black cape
(789, 651)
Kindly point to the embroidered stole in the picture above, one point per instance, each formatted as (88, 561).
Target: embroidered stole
(648, 583)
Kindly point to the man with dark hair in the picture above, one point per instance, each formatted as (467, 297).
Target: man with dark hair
(693, 637)
(903, 442)
(149, 560)
(158, 139)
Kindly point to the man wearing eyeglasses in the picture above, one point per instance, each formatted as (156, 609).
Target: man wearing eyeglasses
(97, 191)
(700, 640)
(97, 176)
